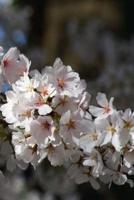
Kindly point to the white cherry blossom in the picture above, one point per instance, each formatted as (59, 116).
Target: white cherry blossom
(42, 130)
(17, 109)
(63, 78)
(91, 139)
(62, 104)
(47, 115)
(26, 86)
(94, 160)
(105, 109)
(72, 125)
(24, 150)
(84, 100)
(128, 117)
(113, 131)
(56, 155)
(81, 175)
(14, 65)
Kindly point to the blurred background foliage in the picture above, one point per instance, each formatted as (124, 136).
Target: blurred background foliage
(96, 37)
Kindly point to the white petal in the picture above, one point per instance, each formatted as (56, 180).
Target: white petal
(96, 111)
(101, 99)
(116, 142)
(87, 143)
(65, 118)
(45, 109)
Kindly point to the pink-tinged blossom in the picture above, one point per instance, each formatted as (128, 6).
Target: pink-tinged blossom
(40, 104)
(56, 155)
(26, 86)
(45, 88)
(49, 116)
(113, 131)
(7, 108)
(62, 104)
(17, 109)
(105, 109)
(24, 149)
(64, 79)
(91, 139)
(14, 65)
(72, 125)
(42, 130)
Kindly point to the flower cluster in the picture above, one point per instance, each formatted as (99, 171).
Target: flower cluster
(50, 116)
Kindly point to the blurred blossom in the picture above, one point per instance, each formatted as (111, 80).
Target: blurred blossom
(32, 196)
(6, 2)
(48, 196)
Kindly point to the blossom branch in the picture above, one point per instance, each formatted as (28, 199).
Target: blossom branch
(50, 116)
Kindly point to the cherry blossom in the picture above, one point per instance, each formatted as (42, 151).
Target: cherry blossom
(42, 129)
(48, 115)
(105, 109)
(14, 65)
(63, 103)
(73, 125)
(63, 78)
